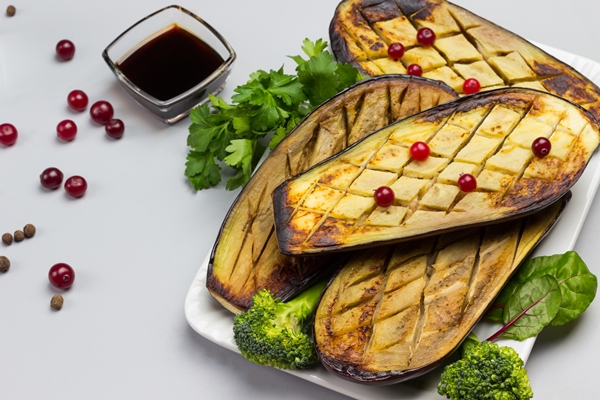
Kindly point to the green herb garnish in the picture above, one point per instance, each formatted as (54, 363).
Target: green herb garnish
(545, 291)
(270, 102)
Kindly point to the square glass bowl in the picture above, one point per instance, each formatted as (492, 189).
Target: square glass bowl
(150, 58)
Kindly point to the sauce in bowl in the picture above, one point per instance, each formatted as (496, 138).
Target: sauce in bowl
(171, 63)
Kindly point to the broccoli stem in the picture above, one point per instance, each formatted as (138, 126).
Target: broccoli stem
(301, 307)
(275, 333)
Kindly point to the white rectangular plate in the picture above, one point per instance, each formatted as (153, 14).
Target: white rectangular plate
(212, 321)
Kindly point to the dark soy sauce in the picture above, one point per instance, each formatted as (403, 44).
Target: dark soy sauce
(171, 63)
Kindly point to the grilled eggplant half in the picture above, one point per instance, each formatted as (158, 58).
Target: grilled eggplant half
(466, 46)
(489, 135)
(246, 257)
(396, 312)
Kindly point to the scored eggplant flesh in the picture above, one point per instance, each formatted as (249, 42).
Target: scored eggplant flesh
(393, 313)
(489, 135)
(466, 46)
(246, 256)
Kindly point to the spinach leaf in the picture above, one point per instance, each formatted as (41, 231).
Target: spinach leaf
(578, 287)
(532, 306)
(577, 284)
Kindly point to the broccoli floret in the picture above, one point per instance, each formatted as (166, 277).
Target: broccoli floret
(486, 371)
(274, 333)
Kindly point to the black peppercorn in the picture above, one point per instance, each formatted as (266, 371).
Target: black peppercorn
(19, 235)
(4, 264)
(7, 239)
(29, 230)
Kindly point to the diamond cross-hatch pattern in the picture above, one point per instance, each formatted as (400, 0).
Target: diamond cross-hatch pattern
(489, 136)
(466, 46)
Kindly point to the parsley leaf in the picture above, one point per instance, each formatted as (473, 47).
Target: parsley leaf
(318, 77)
(270, 102)
(201, 170)
(313, 49)
(244, 155)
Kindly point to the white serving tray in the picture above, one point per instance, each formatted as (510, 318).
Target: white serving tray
(212, 321)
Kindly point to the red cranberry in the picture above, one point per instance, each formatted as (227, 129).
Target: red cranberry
(8, 134)
(101, 112)
(66, 130)
(77, 100)
(467, 183)
(471, 86)
(420, 151)
(541, 147)
(75, 186)
(425, 36)
(51, 178)
(415, 69)
(115, 128)
(65, 49)
(61, 276)
(396, 50)
(384, 196)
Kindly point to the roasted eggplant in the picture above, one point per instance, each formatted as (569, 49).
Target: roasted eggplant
(489, 135)
(246, 255)
(466, 46)
(393, 313)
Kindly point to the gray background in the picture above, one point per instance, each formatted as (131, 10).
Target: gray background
(139, 235)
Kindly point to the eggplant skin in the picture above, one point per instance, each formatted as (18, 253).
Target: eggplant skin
(466, 46)
(394, 313)
(246, 256)
(331, 206)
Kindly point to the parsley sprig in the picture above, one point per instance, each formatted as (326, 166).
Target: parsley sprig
(269, 103)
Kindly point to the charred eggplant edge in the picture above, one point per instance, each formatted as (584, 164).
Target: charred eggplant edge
(211, 281)
(355, 374)
(282, 214)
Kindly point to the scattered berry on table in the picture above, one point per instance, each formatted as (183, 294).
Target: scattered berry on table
(101, 112)
(65, 49)
(77, 100)
(61, 276)
(51, 178)
(8, 134)
(76, 186)
(66, 130)
(115, 128)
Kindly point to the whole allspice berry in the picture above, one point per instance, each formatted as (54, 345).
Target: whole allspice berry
(11, 11)
(19, 235)
(56, 302)
(7, 239)
(29, 230)
(4, 264)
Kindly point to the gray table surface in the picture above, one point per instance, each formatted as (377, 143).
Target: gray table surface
(139, 235)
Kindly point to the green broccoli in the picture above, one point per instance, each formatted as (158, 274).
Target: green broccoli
(274, 333)
(486, 371)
